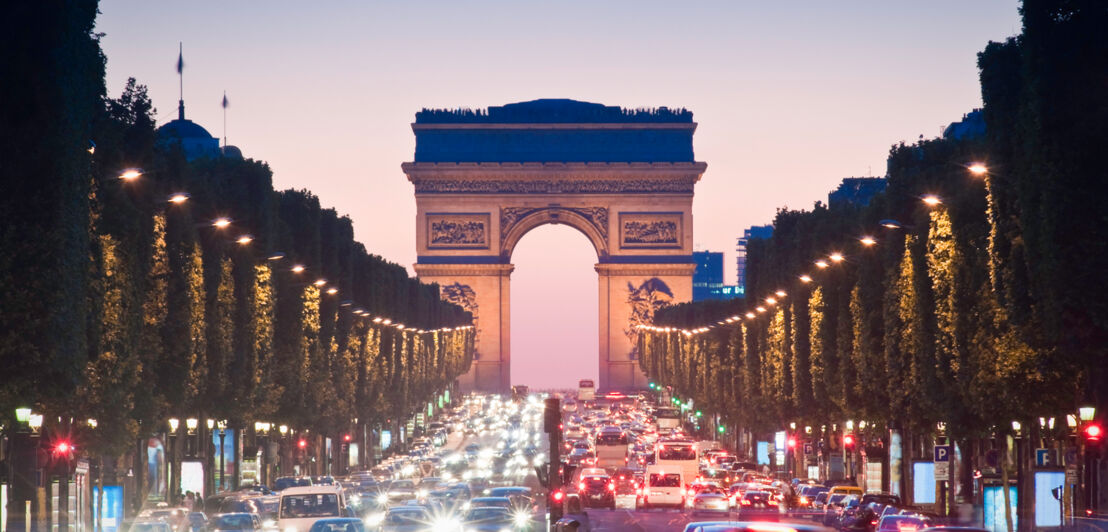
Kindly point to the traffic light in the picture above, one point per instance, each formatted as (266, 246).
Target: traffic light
(791, 442)
(346, 437)
(1093, 433)
(302, 444)
(848, 441)
(552, 416)
(63, 448)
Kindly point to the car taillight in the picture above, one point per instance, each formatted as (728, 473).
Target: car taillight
(874, 522)
(803, 500)
(745, 502)
(611, 486)
(581, 487)
(772, 502)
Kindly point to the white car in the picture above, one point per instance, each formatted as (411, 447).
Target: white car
(301, 507)
(663, 488)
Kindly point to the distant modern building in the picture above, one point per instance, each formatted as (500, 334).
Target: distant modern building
(708, 278)
(756, 231)
(971, 126)
(856, 191)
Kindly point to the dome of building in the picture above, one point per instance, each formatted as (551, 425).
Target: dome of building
(232, 152)
(194, 140)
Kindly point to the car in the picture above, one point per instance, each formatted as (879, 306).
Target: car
(903, 523)
(597, 491)
(300, 507)
(406, 519)
(807, 494)
(711, 499)
(290, 482)
(752, 526)
(490, 502)
(177, 518)
(758, 506)
(229, 522)
(489, 519)
(151, 525)
(402, 489)
(662, 488)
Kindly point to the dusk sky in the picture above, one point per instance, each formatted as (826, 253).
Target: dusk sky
(790, 98)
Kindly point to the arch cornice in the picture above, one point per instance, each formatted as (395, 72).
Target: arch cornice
(592, 221)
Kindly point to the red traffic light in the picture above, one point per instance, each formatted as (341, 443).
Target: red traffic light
(558, 495)
(1093, 432)
(345, 437)
(848, 440)
(303, 444)
(63, 447)
(791, 442)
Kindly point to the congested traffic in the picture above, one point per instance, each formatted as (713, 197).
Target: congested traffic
(484, 465)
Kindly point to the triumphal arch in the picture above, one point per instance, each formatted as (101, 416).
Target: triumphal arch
(623, 178)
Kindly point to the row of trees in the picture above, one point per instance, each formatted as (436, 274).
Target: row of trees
(986, 308)
(121, 306)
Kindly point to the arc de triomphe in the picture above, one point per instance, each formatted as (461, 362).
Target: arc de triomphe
(623, 178)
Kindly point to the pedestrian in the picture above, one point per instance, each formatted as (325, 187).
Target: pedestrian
(190, 500)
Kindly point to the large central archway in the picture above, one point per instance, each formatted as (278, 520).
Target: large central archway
(624, 179)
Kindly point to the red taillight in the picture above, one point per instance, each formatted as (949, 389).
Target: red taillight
(745, 502)
(581, 487)
(874, 522)
(611, 486)
(558, 496)
(690, 493)
(772, 502)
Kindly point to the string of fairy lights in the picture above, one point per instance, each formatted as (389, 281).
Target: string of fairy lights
(765, 303)
(224, 223)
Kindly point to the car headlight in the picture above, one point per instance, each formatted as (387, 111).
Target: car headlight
(446, 524)
(374, 519)
(290, 529)
(383, 498)
(521, 519)
(269, 523)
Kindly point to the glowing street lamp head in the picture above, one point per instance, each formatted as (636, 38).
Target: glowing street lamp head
(298, 268)
(220, 223)
(760, 309)
(130, 174)
(749, 315)
(931, 200)
(178, 198)
(805, 278)
(836, 257)
(821, 263)
(244, 239)
(978, 169)
(867, 241)
(890, 224)
(332, 291)
(780, 293)
(771, 301)
(320, 282)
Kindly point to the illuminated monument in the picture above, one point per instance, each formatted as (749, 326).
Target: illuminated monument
(623, 178)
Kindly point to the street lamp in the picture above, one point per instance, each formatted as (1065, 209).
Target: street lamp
(1087, 413)
(23, 414)
(178, 198)
(867, 241)
(244, 240)
(131, 174)
(805, 278)
(35, 422)
(220, 223)
(931, 200)
(978, 169)
(821, 264)
(836, 257)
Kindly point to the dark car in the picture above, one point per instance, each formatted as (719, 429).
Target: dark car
(758, 506)
(234, 522)
(597, 491)
(488, 520)
(903, 523)
(290, 482)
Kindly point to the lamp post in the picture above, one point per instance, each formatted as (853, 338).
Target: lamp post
(191, 424)
(261, 429)
(222, 465)
(284, 430)
(174, 481)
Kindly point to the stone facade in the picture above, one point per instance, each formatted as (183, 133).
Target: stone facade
(637, 215)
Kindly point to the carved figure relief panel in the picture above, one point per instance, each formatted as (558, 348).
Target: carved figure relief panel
(645, 300)
(650, 230)
(457, 230)
(464, 296)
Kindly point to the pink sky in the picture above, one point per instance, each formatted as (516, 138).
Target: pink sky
(790, 97)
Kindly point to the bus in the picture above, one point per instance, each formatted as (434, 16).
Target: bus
(678, 455)
(519, 392)
(586, 390)
(611, 446)
(668, 418)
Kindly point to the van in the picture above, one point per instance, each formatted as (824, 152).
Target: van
(846, 490)
(301, 507)
(663, 488)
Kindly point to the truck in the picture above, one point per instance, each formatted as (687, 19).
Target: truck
(586, 390)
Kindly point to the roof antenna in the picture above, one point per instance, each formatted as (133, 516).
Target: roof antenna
(181, 78)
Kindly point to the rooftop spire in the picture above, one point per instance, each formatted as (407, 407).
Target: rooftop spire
(224, 119)
(181, 80)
